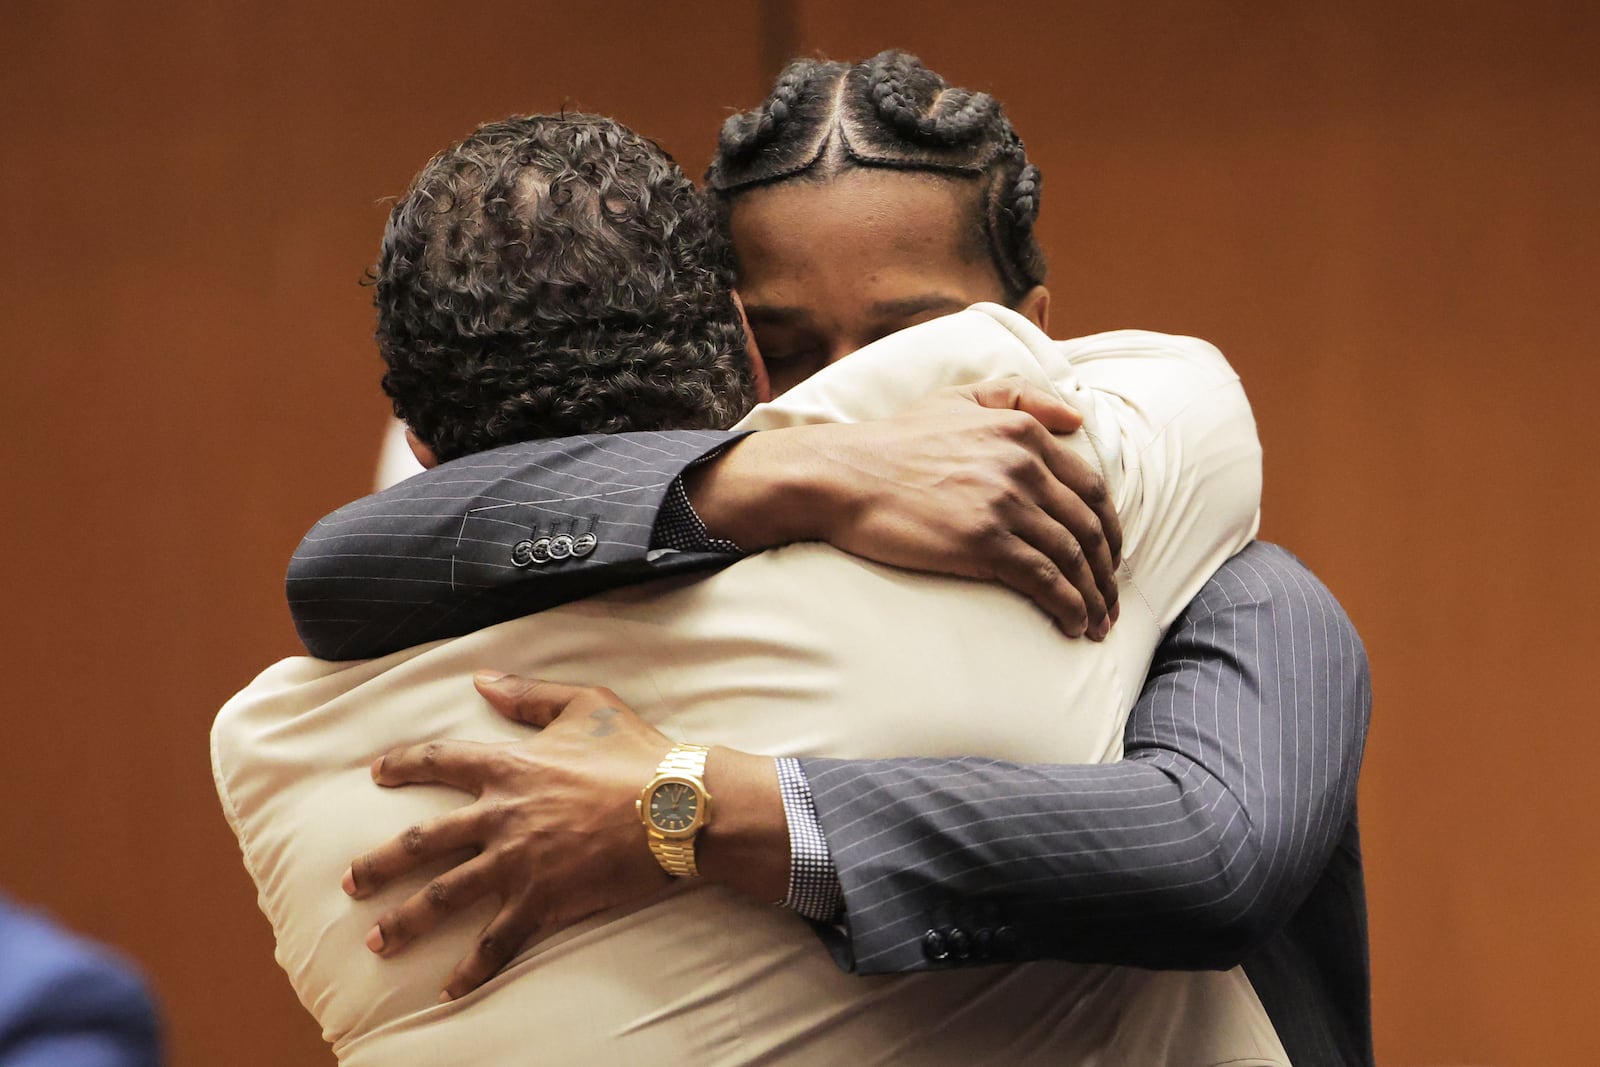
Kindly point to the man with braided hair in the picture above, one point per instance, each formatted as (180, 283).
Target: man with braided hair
(1132, 896)
(535, 279)
(824, 119)
(1227, 834)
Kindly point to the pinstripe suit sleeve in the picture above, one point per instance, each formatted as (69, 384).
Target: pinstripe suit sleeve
(1238, 781)
(433, 556)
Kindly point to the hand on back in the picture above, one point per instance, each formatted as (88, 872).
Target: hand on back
(971, 482)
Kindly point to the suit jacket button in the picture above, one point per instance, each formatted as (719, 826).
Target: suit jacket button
(561, 546)
(983, 943)
(584, 544)
(960, 944)
(934, 946)
(1006, 943)
(522, 553)
(541, 550)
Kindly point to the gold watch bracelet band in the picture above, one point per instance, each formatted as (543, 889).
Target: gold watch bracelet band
(677, 857)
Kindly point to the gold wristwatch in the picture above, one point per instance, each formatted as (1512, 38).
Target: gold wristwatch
(674, 806)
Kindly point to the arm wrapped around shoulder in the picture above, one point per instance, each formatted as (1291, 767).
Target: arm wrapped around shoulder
(490, 537)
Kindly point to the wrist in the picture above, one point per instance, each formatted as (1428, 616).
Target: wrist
(769, 489)
(746, 845)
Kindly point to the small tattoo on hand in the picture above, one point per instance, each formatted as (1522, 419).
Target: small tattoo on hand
(600, 724)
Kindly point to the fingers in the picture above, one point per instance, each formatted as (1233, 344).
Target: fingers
(1042, 560)
(1035, 576)
(1076, 537)
(1079, 475)
(1048, 513)
(1084, 613)
(1019, 394)
(497, 946)
(447, 894)
(458, 764)
(1101, 538)
(527, 700)
(421, 843)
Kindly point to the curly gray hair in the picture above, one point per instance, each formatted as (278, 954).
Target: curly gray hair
(554, 275)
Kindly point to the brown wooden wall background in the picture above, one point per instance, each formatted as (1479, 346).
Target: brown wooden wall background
(1384, 212)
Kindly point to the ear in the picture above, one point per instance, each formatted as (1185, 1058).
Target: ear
(752, 351)
(423, 453)
(1035, 305)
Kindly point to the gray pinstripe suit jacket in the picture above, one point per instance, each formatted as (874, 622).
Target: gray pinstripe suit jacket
(1227, 834)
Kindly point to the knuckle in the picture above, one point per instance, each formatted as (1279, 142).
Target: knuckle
(1094, 491)
(1043, 571)
(519, 692)
(438, 893)
(431, 753)
(1023, 468)
(414, 839)
(1093, 529)
(1014, 425)
(992, 534)
(1009, 499)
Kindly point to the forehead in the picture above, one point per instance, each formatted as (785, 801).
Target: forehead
(859, 222)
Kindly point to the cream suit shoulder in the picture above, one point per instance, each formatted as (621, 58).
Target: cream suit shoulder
(1200, 356)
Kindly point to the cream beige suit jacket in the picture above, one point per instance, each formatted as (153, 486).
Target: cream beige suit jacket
(800, 651)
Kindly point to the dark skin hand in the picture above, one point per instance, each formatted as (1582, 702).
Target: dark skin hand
(826, 268)
(554, 832)
(970, 482)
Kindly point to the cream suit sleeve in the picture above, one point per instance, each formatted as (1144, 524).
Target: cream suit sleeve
(1185, 466)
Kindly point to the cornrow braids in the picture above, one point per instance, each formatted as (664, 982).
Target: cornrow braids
(787, 132)
(555, 275)
(920, 106)
(889, 112)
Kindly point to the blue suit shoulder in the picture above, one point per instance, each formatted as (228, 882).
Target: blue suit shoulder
(68, 1003)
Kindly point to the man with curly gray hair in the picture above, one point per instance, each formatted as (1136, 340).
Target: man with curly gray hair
(528, 288)
(554, 275)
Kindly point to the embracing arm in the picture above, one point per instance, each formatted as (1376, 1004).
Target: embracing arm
(458, 547)
(1238, 780)
(970, 483)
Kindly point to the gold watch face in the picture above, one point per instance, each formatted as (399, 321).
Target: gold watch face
(673, 807)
